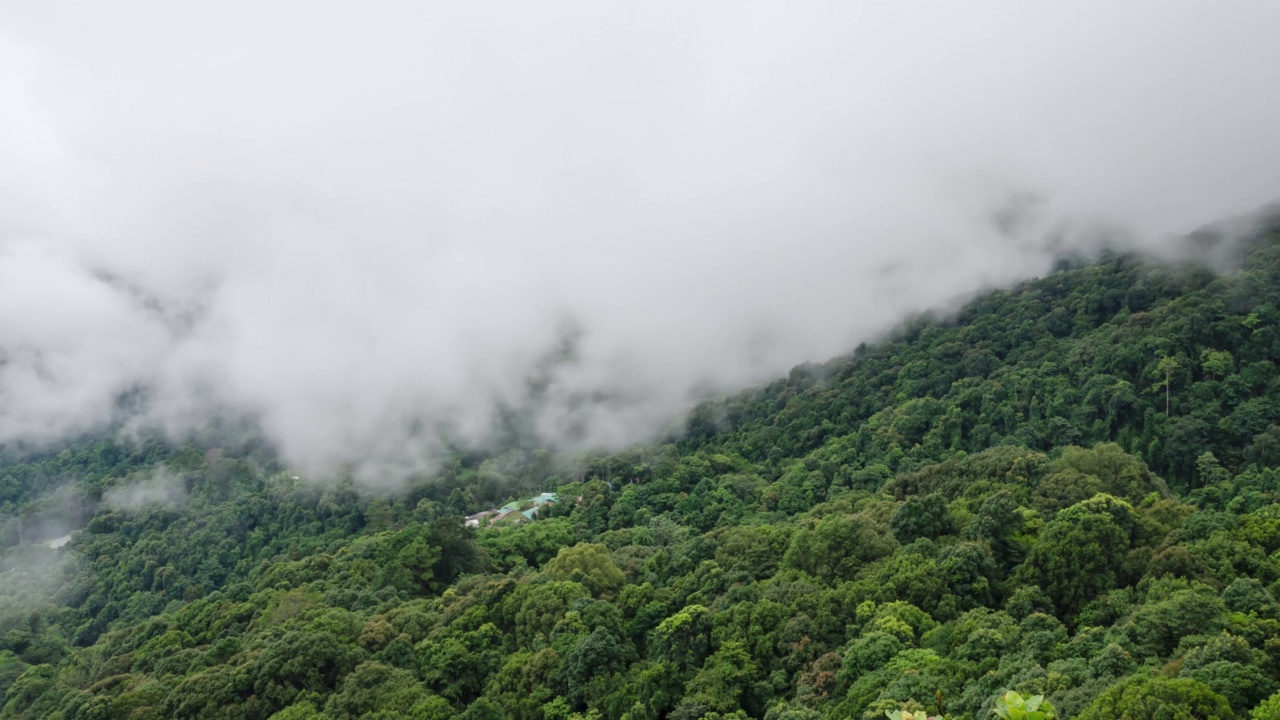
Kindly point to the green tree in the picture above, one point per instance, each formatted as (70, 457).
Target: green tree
(1081, 553)
(722, 684)
(1159, 699)
(998, 522)
(682, 639)
(922, 517)
(1268, 709)
(1217, 363)
(589, 564)
(1166, 366)
(837, 547)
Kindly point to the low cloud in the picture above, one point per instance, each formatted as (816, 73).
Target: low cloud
(160, 489)
(30, 575)
(370, 229)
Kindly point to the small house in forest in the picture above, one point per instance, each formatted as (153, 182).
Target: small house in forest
(514, 512)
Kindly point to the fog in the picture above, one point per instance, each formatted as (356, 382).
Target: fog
(364, 225)
(160, 488)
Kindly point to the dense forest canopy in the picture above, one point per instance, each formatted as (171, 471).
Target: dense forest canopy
(1069, 489)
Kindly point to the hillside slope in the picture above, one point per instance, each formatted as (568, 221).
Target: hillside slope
(1071, 488)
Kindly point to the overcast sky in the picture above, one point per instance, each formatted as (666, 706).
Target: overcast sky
(355, 220)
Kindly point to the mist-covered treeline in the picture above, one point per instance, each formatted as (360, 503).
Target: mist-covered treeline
(1070, 489)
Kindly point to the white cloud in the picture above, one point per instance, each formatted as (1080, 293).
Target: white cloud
(162, 488)
(352, 221)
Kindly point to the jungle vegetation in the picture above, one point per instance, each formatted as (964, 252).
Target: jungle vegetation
(1069, 489)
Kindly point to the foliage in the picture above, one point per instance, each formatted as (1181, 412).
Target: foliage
(1159, 698)
(1012, 706)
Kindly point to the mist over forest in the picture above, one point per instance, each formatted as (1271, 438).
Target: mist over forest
(584, 361)
(365, 230)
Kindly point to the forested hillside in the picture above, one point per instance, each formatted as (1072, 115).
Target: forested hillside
(1069, 489)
